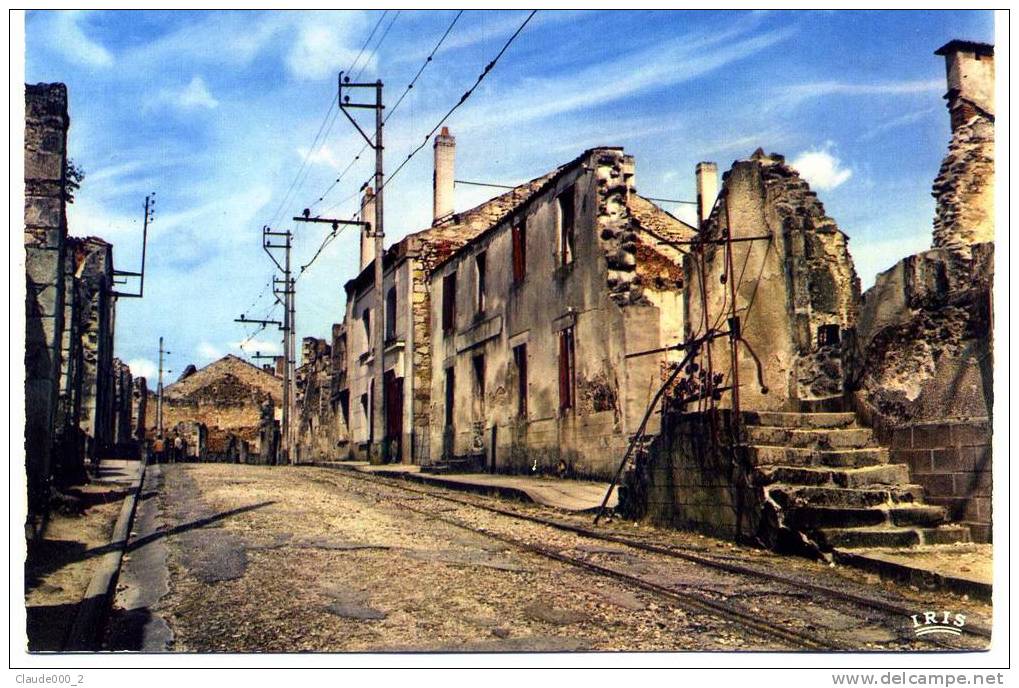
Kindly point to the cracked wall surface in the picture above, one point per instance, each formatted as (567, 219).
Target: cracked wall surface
(796, 289)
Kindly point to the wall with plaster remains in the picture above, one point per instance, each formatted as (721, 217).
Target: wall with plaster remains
(611, 294)
(796, 290)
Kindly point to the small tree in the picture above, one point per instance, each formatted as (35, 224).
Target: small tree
(73, 176)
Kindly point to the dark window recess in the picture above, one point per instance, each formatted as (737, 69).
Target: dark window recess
(481, 260)
(567, 373)
(828, 335)
(450, 396)
(366, 321)
(448, 303)
(566, 217)
(519, 251)
(520, 359)
(479, 378)
(391, 314)
(364, 410)
(345, 407)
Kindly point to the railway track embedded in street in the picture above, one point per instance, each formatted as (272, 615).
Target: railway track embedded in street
(802, 638)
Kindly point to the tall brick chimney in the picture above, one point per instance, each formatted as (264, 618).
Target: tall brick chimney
(442, 177)
(367, 215)
(707, 189)
(969, 70)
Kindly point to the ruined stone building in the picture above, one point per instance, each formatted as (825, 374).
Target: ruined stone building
(533, 322)
(46, 123)
(926, 378)
(219, 407)
(72, 404)
(864, 420)
(405, 315)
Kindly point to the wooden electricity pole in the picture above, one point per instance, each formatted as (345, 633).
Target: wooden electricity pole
(378, 233)
(159, 390)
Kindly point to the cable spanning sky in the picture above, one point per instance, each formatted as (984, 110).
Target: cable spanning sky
(217, 112)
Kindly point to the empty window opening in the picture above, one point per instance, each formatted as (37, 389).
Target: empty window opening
(450, 395)
(520, 359)
(828, 335)
(366, 321)
(565, 222)
(481, 261)
(391, 314)
(479, 382)
(567, 372)
(448, 303)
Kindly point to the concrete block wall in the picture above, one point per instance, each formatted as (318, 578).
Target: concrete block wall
(952, 461)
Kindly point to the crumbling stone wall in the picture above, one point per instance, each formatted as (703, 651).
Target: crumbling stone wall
(46, 124)
(925, 375)
(96, 325)
(227, 397)
(139, 407)
(796, 289)
(964, 187)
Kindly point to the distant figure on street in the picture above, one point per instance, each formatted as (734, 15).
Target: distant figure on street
(178, 447)
(159, 448)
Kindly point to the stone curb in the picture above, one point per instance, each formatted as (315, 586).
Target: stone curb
(922, 578)
(85, 634)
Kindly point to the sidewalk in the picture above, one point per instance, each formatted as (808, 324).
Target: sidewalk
(567, 495)
(963, 568)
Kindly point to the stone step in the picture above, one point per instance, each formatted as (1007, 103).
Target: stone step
(809, 518)
(791, 419)
(797, 456)
(814, 438)
(887, 474)
(788, 496)
(881, 536)
(884, 536)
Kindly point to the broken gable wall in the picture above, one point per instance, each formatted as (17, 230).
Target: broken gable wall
(787, 287)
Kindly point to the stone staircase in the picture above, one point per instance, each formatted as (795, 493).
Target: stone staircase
(827, 479)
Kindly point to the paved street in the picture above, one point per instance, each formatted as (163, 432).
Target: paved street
(249, 558)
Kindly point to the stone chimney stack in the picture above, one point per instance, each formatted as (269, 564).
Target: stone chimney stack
(969, 70)
(707, 189)
(367, 215)
(442, 177)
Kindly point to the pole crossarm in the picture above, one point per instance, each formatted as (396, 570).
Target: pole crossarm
(244, 319)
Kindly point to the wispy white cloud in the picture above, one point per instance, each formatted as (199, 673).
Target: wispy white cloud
(322, 49)
(822, 169)
(667, 64)
(194, 96)
(68, 37)
(898, 122)
(208, 351)
(794, 94)
(322, 155)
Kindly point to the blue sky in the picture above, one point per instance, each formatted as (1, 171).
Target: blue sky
(215, 112)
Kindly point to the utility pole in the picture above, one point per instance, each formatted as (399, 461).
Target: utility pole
(378, 395)
(288, 331)
(159, 390)
(150, 205)
(335, 222)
